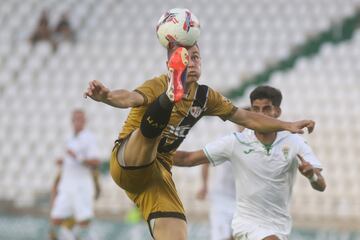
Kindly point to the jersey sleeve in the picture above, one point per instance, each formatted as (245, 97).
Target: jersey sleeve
(218, 105)
(306, 152)
(219, 150)
(152, 88)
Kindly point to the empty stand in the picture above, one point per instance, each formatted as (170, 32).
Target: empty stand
(116, 43)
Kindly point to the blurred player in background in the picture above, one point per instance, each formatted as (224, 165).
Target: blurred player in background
(265, 166)
(76, 189)
(163, 111)
(222, 198)
(69, 223)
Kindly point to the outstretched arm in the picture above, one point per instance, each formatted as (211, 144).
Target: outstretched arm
(117, 98)
(54, 188)
(189, 159)
(317, 181)
(92, 162)
(264, 124)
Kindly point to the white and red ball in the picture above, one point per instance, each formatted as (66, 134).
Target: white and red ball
(178, 26)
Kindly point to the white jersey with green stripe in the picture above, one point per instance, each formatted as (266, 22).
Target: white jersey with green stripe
(264, 176)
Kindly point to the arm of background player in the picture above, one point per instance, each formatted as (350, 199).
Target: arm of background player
(319, 184)
(54, 188)
(117, 98)
(189, 159)
(95, 174)
(91, 162)
(317, 181)
(201, 194)
(264, 124)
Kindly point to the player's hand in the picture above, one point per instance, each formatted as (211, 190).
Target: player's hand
(59, 161)
(305, 167)
(297, 127)
(201, 194)
(96, 91)
(71, 153)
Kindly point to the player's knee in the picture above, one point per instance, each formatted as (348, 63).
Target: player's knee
(84, 223)
(57, 221)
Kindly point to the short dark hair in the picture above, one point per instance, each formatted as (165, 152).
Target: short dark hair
(266, 92)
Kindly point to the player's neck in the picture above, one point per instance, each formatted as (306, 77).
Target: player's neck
(266, 138)
(77, 131)
(187, 89)
(188, 86)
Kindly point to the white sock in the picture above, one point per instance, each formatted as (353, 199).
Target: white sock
(54, 231)
(67, 234)
(61, 233)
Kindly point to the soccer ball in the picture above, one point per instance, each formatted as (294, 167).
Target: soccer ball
(178, 26)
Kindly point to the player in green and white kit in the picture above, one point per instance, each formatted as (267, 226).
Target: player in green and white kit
(265, 166)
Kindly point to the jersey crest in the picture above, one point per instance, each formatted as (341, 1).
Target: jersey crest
(285, 151)
(196, 111)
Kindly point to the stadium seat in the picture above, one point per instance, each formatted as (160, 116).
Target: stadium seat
(39, 86)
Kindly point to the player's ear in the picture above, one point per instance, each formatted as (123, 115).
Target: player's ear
(278, 112)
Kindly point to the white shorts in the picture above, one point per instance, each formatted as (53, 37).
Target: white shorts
(221, 215)
(220, 225)
(79, 205)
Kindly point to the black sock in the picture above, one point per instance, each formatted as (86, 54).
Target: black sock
(156, 117)
(165, 102)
